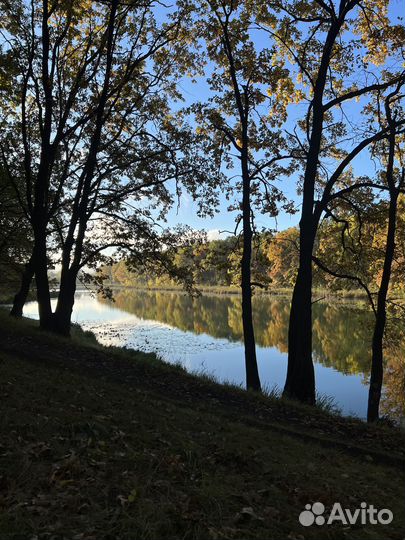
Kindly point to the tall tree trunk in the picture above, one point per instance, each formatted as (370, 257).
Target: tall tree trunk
(21, 297)
(40, 212)
(377, 359)
(42, 282)
(83, 207)
(66, 299)
(252, 372)
(300, 380)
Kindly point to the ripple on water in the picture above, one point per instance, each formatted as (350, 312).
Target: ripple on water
(167, 342)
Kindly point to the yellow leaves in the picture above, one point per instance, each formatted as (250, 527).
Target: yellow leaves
(169, 122)
(373, 25)
(298, 96)
(264, 14)
(285, 93)
(131, 498)
(338, 85)
(378, 52)
(202, 130)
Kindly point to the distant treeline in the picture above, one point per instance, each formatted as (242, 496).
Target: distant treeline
(275, 261)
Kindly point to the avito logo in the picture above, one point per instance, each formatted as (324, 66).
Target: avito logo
(367, 513)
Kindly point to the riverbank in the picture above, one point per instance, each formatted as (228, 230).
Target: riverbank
(319, 295)
(105, 443)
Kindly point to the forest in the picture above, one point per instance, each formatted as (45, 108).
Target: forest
(283, 119)
(274, 264)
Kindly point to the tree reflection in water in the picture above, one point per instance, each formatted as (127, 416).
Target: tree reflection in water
(341, 340)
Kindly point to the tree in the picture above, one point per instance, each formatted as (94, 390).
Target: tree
(38, 36)
(327, 44)
(395, 182)
(15, 244)
(246, 137)
(94, 127)
(384, 219)
(283, 256)
(16, 236)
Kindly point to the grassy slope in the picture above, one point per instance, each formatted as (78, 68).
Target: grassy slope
(99, 443)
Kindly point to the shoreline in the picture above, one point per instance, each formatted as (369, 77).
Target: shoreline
(319, 294)
(109, 432)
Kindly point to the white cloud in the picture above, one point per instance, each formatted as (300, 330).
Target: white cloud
(214, 234)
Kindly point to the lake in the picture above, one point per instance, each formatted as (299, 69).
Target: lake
(205, 335)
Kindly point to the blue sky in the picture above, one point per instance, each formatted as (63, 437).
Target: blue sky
(186, 212)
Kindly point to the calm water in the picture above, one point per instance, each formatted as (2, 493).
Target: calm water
(205, 335)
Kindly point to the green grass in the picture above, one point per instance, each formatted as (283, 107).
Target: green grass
(101, 443)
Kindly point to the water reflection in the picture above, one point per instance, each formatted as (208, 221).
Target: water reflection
(205, 334)
(341, 332)
(341, 337)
